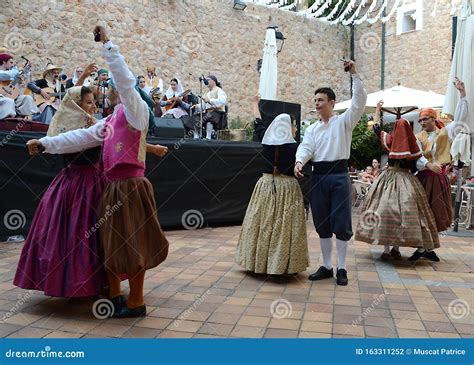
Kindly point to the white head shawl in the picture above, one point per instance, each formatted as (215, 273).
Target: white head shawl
(170, 93)
(279, 131)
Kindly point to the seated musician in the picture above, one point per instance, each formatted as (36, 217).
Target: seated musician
(22, 105)
(154, 88)
(101, 85)
(213, 108)
(49, 91)
(77, 74)
(174, 103)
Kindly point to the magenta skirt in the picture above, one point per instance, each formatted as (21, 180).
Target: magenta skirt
(62, 254)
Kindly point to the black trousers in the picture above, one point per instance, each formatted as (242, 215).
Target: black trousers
(331, 205)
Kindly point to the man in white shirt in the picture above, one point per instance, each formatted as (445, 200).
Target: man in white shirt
(327, 144)
(22, 105)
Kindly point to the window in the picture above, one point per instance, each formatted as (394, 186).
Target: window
(410, 17)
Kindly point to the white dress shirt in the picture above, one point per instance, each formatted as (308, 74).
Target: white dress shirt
(135, 109)
(332, 141)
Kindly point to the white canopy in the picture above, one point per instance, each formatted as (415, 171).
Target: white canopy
(399, 100)
(462, 65)
(269, 70)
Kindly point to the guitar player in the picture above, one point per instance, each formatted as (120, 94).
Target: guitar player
(175, 100)
(49, 91)
(21, 105)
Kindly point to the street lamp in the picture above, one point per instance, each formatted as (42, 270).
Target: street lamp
(280, 39)
(239, 5)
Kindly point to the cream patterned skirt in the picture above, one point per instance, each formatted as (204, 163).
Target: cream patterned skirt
(273, 236)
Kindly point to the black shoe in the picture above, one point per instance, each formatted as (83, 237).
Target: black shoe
(341, 277)
(395, 254)
(416, 255)
(431, 255)
(385, 257)
(119, 302)
(322, 273)
(131, 312)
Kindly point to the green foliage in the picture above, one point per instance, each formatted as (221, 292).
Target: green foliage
(239, 123)
(365, 145)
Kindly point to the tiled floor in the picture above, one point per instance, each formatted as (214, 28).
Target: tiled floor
(200, 292)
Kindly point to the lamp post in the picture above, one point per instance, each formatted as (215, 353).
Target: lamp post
(280, 38)
(239, 5)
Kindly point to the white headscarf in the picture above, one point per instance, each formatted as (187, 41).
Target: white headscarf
(279, 131)
(170, 93)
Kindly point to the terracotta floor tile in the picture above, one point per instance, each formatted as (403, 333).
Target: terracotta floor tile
(184, 326)
(380, 332)
(139, 332)
(62, 334)
(248, 332)
(30, 332)
(153, 323)
(303, 334)
(409, 324)
(109, 330)
(285, 324)
(175, 334)
(279, 333)
(253, 321)
(222, 330)
(321, 327)
(224, 318)
(348, 329)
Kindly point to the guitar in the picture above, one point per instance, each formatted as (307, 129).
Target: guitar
(156, 93)
(12, 89)
(175, 100)
(52, 97)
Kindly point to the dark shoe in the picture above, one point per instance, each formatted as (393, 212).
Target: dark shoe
(131, 312)
(416, 256)
(432, 256)
(118, 302)
(341, 277)
(395, 254)
(322, 273)
(385, 257)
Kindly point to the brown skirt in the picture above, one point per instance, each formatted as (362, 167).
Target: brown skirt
(131, 235)
(396, 212)
(438, 192)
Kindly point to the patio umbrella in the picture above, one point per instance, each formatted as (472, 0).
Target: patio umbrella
(269, 70)
(462, 65)
(398, 100)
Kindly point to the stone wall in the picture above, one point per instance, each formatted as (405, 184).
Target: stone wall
(184, 39)
(417, 59)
